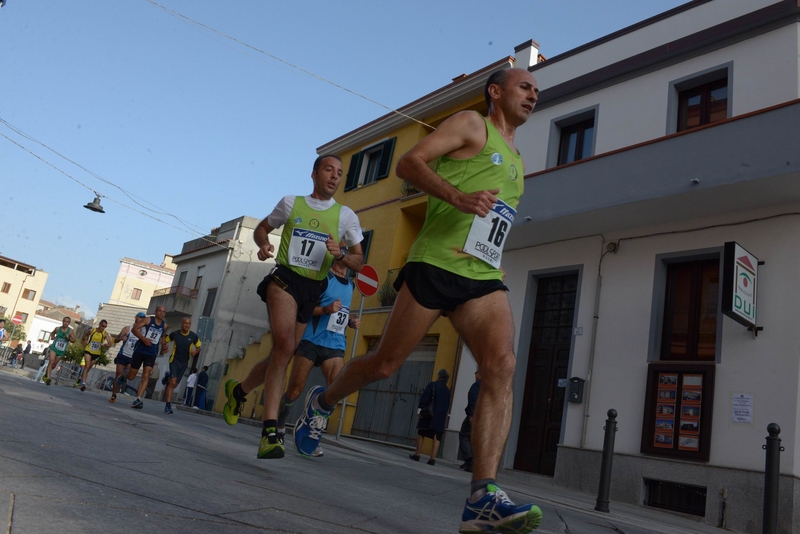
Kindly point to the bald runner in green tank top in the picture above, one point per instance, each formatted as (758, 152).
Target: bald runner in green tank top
(464, 244)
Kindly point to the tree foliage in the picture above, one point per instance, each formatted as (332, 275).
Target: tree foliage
(74, 354)
(19, 331)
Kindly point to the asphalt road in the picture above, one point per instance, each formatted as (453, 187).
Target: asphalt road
(72, 462)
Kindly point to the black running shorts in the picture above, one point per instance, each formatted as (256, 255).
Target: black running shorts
(306, 292)
(437, 289)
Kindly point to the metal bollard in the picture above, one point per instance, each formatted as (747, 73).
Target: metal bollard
(608, 458)
(772, 475)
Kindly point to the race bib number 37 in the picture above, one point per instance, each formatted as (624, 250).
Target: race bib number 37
(307, 249)
(487, 235)
(337, 321)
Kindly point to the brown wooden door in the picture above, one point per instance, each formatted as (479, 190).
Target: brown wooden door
(548, 360)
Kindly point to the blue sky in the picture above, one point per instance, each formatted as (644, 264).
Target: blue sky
(208, 130)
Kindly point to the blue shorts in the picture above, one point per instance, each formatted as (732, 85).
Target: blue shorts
(123, 360)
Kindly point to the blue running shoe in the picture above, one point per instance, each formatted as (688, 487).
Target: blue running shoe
(137, 404)
(309, 427)
(165, 379)
(495, 513)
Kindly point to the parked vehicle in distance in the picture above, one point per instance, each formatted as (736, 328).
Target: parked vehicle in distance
(107, 383)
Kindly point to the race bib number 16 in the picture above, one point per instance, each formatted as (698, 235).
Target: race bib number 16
(487, 235)
(307, 249)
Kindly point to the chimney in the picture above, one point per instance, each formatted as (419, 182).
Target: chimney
(526, 54)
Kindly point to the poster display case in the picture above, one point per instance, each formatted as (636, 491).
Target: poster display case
(678, 407)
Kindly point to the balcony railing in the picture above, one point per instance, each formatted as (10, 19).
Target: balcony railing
(407, 189)
(177, 290)
(387, 294)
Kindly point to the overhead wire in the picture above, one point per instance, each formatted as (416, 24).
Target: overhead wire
(65, 173)
(190, 20)
(130, 195)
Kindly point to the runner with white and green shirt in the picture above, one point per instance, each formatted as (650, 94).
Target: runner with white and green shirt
(312, 228)
(62, 336)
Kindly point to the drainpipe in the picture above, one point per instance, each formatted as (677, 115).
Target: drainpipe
(612, 247)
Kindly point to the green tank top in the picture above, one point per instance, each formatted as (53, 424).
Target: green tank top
(303, 239)
(61, 341)
(464, 244)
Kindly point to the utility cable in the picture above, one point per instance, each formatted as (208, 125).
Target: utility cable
(189, 20)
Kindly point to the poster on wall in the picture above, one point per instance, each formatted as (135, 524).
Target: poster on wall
(739, 284)
(742, 411)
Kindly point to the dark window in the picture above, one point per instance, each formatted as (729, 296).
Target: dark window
(6, 287)
(209, 305)
(136, 294)
(690, 311)
(182, 278)
(704, 104)
(370, 165)
(576, 142)
(677, 497)
(29, 294)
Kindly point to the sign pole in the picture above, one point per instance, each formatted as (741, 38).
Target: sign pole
(352, 355)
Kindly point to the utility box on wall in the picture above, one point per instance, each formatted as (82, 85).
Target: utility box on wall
(575, 389)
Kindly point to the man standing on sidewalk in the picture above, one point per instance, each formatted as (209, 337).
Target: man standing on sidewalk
(191, 382)
(62, 336)
(313, 227)
(185, 343)
(202, 384)
(454, 267)
(465, 434)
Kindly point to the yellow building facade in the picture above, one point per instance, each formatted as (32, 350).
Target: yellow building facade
(391, 213)
(138, 280)
(21, 287)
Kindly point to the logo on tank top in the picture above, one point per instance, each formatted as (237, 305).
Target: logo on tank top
(512, 173)
(314, 223)
(298, 220)
(497, 158)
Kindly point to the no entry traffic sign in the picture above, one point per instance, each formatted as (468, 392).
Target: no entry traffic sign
(367, 281)
(17, 319)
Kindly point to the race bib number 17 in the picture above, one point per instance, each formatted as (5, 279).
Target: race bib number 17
(307, 249)
(487, 235)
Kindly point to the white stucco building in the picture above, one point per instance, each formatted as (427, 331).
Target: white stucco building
(650, 149)
(215, 283)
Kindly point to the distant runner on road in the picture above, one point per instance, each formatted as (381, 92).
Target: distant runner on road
(94, 341)
(151, 342)
(61, 337)
(125, 355)
(185, 343)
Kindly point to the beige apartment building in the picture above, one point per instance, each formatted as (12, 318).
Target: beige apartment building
(21, 287)
(137, 280)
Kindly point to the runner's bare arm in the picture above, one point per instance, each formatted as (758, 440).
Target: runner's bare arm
(53, 333)
(71, 335)
(355, 256)
(461, 136)
(138, 333)
(122, 334)
(261, 237)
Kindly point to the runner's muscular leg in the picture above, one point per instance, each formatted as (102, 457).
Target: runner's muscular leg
(283, 320)
(330, 368)
(486, 324)
(300, 370)
(145, 379)
(255, 377)
(408, 323)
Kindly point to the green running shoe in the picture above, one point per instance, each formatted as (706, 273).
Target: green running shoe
(233, 408)
(270, 447)
(46, 380)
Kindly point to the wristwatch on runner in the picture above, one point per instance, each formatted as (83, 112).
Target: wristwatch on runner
(344, 253)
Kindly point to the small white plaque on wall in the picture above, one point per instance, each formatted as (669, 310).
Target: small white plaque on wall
(742, 411)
